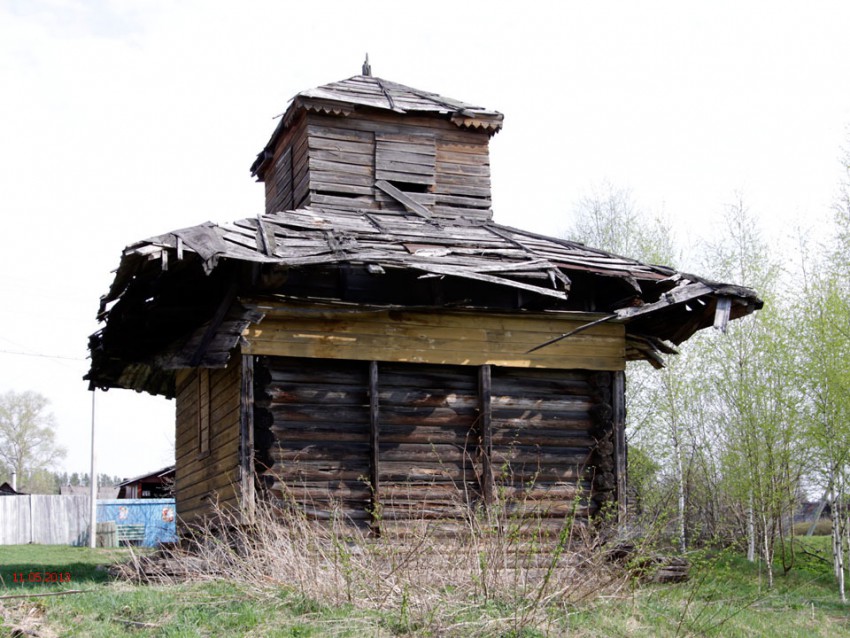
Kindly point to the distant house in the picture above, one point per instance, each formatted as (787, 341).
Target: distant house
(8, 490)
(375, 346)
(159, 484)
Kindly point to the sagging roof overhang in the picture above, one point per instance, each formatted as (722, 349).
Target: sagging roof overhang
(181, 299)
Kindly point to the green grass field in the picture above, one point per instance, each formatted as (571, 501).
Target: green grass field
(726, 596)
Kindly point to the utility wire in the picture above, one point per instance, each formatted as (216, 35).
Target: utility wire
(44, 356)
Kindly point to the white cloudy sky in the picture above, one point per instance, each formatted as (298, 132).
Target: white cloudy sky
(122, 119)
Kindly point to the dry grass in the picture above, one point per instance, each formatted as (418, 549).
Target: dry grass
(493, 574)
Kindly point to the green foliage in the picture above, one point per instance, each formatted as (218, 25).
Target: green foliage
(608, 219)
(27, 439)
(726, 596)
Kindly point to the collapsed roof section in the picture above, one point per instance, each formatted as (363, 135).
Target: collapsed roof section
(183, 299)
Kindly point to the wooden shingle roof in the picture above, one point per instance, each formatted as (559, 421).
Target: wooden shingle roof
(366, 90)
(658, 304)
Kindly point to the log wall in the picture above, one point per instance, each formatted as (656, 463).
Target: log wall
(396, 445)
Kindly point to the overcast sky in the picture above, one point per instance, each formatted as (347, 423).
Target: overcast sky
(123, 119)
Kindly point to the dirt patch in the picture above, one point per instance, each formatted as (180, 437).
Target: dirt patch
(25, 619)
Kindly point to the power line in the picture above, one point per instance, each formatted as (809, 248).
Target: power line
(44, 356)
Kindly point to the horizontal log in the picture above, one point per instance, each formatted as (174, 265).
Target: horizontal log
(413, 415)
(405, 472)
(286, 433)
(317, 394)
(348, 454)
(524, 456)
(322, 414)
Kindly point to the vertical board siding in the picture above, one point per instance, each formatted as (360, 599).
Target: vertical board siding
(421, 440)
(44, 519)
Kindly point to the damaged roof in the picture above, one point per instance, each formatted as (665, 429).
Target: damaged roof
(182, 299)
(365, 91)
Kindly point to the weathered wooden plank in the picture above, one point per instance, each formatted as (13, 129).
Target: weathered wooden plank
(317, 394)
(374, 443)
(319, 177)
(339, 133)
(486, 426)
(618, 398)
(454, 158)
(296, 452)
(464, 202)
(408, 124)
(421, 179)
(382, 352)
(577, 424)
(394, 471)
(410, 204)
(462, 168)
(454, 212)
(364, 148)
(329, 186)
(444, 186)
(354, 203)
(334, 167)
(246, 440)
(448, 417)
(341, 158)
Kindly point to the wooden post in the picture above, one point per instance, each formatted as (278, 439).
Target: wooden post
(246, 440)
(484, 392)
(93, 483)
(618, 401)
(374, 445)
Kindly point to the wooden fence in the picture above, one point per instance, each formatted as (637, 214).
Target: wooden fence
(44, 519)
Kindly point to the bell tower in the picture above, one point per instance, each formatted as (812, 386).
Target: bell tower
(368, 144)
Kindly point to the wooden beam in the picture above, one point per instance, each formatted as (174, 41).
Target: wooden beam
(721, 314)
(679, 294)
(485, 424)
(214, 325)
(618, 400)
(246, 440)
(409, 203)
(374, 446)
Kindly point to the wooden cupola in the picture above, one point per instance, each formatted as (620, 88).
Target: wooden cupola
(367, 144)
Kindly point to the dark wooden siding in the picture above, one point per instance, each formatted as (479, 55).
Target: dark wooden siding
(319, 426)
(428, 463)
(550, 433)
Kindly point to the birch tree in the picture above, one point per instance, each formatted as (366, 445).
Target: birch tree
(754, 376)
(825, 313)
(27, 436)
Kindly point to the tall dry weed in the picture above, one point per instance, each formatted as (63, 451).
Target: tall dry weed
(492, 571)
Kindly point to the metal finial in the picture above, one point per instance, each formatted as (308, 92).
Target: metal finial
(367, 68)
